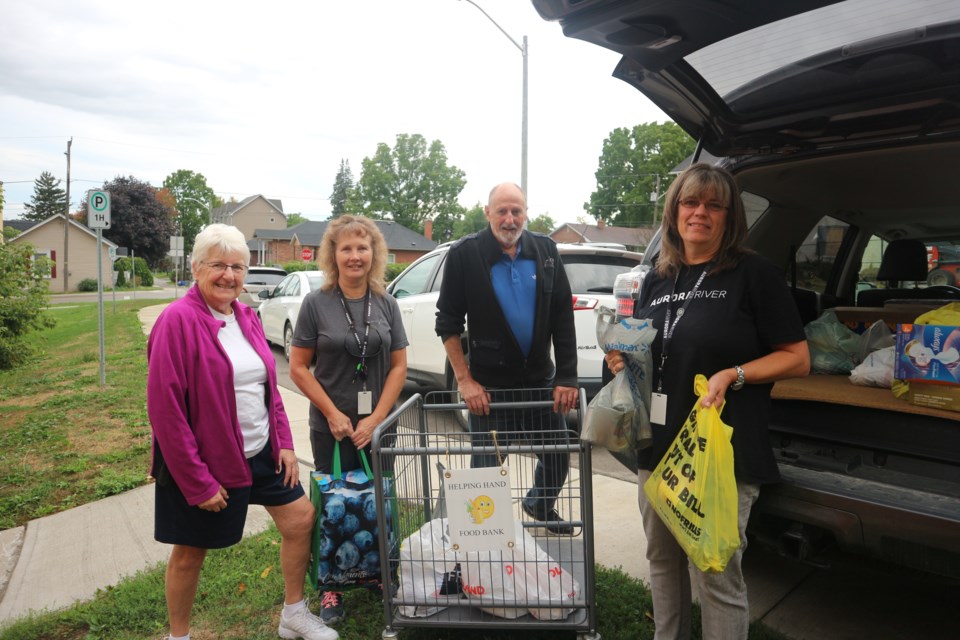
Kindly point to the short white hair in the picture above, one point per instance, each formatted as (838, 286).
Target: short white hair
(223, 237)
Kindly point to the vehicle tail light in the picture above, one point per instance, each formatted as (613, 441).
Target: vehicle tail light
(580, 303)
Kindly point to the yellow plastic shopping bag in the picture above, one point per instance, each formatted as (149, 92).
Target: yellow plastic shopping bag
(693, 489)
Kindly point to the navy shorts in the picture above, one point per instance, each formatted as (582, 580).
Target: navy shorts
(176, 522)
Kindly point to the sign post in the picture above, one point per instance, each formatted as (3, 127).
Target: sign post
(113, 277)
(176, 252)
(98, 217)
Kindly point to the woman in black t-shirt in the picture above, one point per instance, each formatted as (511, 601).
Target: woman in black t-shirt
(726, 313)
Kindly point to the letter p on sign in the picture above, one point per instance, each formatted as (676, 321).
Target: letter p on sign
(98, 209)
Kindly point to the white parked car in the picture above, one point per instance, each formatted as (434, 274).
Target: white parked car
(591, 270)
(258, 279)
(279, 308)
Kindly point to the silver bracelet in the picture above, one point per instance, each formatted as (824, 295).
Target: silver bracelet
(736, 386)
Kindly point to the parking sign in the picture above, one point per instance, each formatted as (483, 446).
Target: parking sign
(98, 209)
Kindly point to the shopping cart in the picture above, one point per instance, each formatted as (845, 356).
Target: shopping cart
(431, 581)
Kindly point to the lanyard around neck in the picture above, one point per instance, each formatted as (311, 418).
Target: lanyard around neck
(668, 327)
(361, 370)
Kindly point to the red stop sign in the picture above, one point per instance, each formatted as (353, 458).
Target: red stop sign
(306, 254)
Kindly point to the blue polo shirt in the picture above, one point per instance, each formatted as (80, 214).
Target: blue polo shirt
(515, 283)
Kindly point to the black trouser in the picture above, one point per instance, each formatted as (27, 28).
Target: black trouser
(539, 427)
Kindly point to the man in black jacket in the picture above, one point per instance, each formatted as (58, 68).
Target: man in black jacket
(509, 284)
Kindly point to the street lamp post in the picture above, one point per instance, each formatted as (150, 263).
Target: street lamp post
(205, 205)
(208, 207)
(523, 127)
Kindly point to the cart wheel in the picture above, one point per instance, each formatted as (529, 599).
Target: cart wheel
(390, 634)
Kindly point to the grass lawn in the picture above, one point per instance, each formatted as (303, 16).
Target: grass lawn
(241, 593)
(65, 442)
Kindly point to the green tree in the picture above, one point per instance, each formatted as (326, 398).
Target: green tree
(342, 187)
(473, 220)
(194, 199)
(49, 199)
(409, 183)
(23, 299)
(139, 220)
(630, 164)
(542, 224)
(293, 219)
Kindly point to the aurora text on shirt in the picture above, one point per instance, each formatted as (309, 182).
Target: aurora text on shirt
(716, 293)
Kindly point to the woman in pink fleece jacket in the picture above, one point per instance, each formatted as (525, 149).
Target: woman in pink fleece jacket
(221, 438)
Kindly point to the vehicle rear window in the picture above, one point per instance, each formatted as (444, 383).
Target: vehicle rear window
(817, 256)
(730, 64)
(594, 274)
(269, 279)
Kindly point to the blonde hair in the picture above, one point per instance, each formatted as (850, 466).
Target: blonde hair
(358, 226)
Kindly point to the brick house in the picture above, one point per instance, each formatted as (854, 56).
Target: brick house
(270, 246)
(633, 238)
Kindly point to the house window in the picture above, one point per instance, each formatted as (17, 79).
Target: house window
(391, 258)
(272, 219)
(50, 255)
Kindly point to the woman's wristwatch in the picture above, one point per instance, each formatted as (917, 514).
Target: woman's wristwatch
(736, 386)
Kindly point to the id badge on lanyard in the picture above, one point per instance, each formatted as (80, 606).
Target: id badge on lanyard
(364, 397)
(658, 399)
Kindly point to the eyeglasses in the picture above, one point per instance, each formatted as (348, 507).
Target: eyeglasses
(220, 267)
(712, 206)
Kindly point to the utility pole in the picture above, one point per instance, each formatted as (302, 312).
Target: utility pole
(66, 226)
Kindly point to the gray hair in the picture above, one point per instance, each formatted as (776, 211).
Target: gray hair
(219, 237)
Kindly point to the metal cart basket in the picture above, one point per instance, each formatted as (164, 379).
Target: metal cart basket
(415, 446)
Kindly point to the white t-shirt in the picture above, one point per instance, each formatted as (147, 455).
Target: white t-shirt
(249, 379)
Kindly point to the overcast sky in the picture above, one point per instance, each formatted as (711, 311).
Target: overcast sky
(268, 97)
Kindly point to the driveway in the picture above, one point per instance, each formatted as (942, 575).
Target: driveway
(846, 597)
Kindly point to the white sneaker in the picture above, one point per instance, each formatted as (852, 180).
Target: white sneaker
(305, 625)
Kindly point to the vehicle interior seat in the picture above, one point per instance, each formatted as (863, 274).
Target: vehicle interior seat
(904, 260)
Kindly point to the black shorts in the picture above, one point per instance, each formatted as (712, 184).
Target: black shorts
(176, 522)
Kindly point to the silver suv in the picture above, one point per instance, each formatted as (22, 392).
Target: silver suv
(591, 270)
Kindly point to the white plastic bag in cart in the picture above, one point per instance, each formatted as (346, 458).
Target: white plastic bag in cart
(509, 584)
(428, 571)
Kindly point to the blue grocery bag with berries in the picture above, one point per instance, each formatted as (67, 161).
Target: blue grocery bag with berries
(345, 548)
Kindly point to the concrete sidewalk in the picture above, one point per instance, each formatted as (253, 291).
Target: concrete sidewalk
(55, 561)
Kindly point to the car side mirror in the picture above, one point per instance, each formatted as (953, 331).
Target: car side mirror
(264, 294)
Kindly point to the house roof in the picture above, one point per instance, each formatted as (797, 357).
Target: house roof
(19, 225)
(628, 236)
(73, 223)
(310, 233)
(231, 208)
